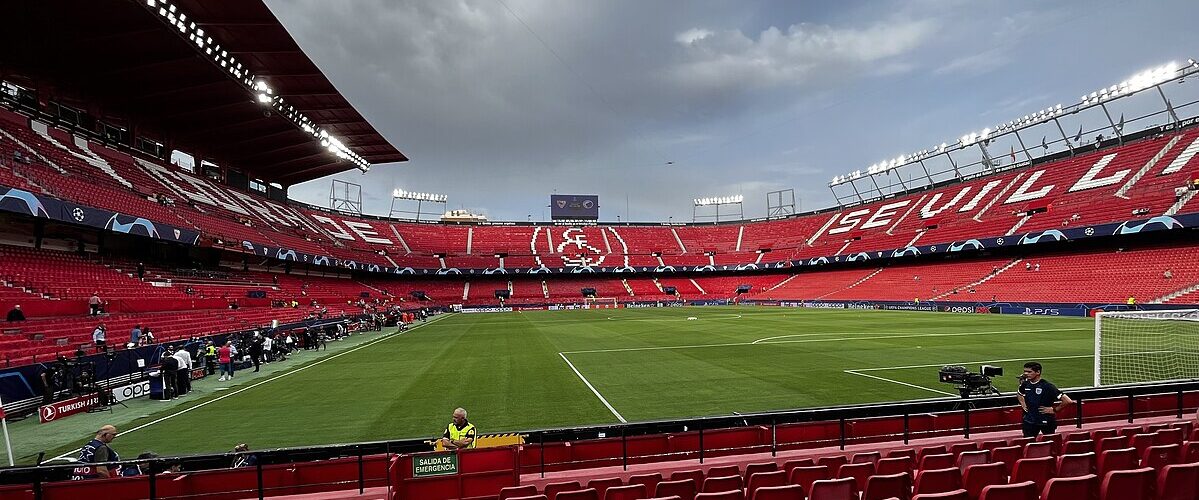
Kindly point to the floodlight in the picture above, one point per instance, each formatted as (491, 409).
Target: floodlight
(263, 98)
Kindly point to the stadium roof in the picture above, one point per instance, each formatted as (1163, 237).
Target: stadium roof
(119, 55)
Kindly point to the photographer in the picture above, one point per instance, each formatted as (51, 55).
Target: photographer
(1040, 400)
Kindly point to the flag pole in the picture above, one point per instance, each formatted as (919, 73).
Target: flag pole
(4, 425)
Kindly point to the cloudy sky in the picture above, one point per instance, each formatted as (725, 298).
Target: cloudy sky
(499, 103)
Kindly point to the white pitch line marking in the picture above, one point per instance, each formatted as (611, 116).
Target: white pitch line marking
(1004, 360)
(900, 383)
(834, 339)
(277, 377)
(593, 390)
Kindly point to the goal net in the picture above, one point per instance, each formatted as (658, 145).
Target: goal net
(1146, 346)
(599, 302)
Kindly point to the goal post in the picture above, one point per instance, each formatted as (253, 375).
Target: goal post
(1146, 346)
(600, 302)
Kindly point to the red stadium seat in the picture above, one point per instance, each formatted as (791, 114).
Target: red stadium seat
(1078, 446)
(630, 492)
(683, 488)
(586, 494)
(833, 462)
(530, 497)
(724, 470)
(966, 459)
(1123, 459)
(894, 465)
(1075, 465)
(805, 476)
(764, 479)
(1038, 450)
(517, 491)
(723, 495)
(649, 480)
(979, 476)
(552, 489)
(958, 494)
(1071, 488)
(696, 476)
(788, 492)
(1037, 470)
(834, 489)
(858, 472)
(879, 487)
(1133, 484)
(751, 469)
(726, 483)
(937, 461)
(1111, 443)
(1159, 456)
(1026, 490)
(1007, 455)
(871, 457)
(1178, 482)
(601, 485)
(938, 480)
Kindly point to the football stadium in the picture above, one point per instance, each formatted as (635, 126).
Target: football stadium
(1012, 313)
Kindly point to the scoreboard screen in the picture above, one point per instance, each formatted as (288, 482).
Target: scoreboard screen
(574, 206)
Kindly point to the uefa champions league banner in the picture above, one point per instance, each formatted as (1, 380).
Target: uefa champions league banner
(36, 205)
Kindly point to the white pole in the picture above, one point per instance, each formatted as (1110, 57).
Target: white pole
(1098, 344)
(7, 442)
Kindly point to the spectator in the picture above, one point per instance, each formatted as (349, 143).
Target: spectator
(183, 374)
(98, 338)
(209, 357)
(1040, 400)
(94, 304)
(225, 358)
(243, 457)
(95, 454)
(135, 335)
(267, 349)
(140, 467)
(1132, 301)
(1036, 267)
(141, 270)
(169, 368)
(147, 336)
(256, 346)
(1167, 275)
(1028, 266)
(15, 314)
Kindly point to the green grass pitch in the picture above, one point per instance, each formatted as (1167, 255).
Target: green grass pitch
(517, 371)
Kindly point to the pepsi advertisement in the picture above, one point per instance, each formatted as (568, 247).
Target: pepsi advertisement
(574, 206)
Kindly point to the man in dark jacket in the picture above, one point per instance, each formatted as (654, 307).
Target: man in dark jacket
(16, 314)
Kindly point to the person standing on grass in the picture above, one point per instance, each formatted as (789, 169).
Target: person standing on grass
(459, 433)
(256, 351)
(95, 454)
(1040, 400)
(225, 358)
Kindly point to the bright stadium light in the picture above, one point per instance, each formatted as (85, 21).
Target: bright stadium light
(409, 195)
(718, 200)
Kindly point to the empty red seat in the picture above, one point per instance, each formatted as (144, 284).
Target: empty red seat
(1111, 443)
(1036, 470)
(764, 479)
(979, 476)
(1120, 459)
(586, 494)
(938, 480)
(649, 480)
(683, 488)
(696, 476)
(630, 492)
(802, 462)
(752, 469)
(1071, 488)
(805, 476)
(966, 459)
(1038, 449)
(726, 483)
(1178, 482)
(723, 495)
(788, 492)
(1025, 490)
(724, 470)
(833, 489)
(552, 489)
(602, 484)
(1075, 465)
(948, 495)
(1007, 455)
(858, 472)
(833, 462)
(1170, 436)
(894, 465)
(1159, 456)
(871, 457)
(530, 497)
(1078, 446)
(1132, 484)
(882, 487)
(931, 450)
(517, 491)
(943, 461)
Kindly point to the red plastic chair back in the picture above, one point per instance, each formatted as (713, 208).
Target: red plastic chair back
(1038, 449)
(1178, 482)
(752, 469)
(586, 494)
(972, 458)
(551, 490)
(517, 491)
(630, 492)
(833, 462)
(1099, 434)
(718, 484)
(1170, 436)
(723, 471)
(894, 465)
(958, 494)
(1134, 484)
(723, 495)
(834, 489)
(879, 487)
(902, 452)
(1078, 447)
(696, 476)
(1111, 443)
(788, 492)
(930, 450)
(1159, 456)
(683, 488)
(791, 464)
(1026, 490)
(764, 479)
(871, 457)
(859, 473)
(649, 480)
(1075, 465)
(938, 480)
(601, 485)
(1037, 470)
(1007, 455)
(1071, 488)
(943, 461)
(530, 497)
(960, 448)
(1120, 459)
(977, 477)
(805, 476)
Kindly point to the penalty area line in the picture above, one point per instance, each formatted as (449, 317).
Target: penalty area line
(593, 389)
(272, 379)
(884, 379)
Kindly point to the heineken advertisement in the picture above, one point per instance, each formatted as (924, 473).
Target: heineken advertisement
(435, 464)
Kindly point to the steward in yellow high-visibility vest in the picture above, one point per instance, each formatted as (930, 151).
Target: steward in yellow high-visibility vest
(460, 433)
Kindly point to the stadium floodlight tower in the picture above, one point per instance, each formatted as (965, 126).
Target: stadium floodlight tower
(1133, 347)
(971, 155)
(345, 197)
(405, 198)
(700, 204)
(780, 204)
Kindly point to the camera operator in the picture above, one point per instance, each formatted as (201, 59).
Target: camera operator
(1040, 400)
